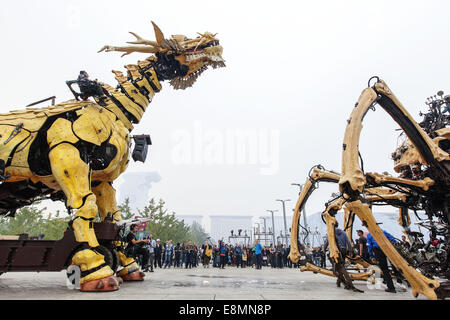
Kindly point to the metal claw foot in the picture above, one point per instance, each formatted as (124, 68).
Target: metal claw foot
(135, 276)
(110, 283)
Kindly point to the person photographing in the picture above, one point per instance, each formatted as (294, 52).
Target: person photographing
(135, 247)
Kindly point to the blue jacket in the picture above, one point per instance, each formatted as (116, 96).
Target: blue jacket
(371, 243)
(237, 251)
(223, 249)
(258, 248)
(342, 240)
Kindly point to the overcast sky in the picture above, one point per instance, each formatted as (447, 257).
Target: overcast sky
(294, 71)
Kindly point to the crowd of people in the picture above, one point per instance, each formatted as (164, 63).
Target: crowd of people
(152, 254)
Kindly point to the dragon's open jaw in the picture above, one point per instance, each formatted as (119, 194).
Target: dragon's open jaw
(198, 60)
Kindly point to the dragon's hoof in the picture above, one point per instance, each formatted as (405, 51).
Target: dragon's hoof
(135, 276)
(110, 283)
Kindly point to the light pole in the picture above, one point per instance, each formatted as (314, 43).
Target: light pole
(284, 216)
(257, 231)
(273, 226)
(304, 213)
(265, 229)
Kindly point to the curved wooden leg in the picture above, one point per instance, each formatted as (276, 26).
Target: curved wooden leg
(419, 283)
(331, 222)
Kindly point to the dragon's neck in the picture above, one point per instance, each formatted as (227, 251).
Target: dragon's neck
(133, 93)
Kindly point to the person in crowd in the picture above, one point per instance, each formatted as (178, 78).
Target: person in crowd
(362, 246)
(151, 250)
(189, 252)
(206, 254)
(230, 260)
(283, 256)
(345, 248)
(252, 249)
(323, 257)
(163, 250)
(198, 254)
(316, 256)
(216, 256)
(223, 253)
(244, 256)
(273, 258)
(377, 256)
(177, 251)
(286, 256)
(265, 254)
(309, 253)
(158, 252)
(194, 255)
(406, 242)
(183, 254)
(250, 256)
(279, 254)
(134, 247)
(258, 254)
(238, 255)
(168, 252)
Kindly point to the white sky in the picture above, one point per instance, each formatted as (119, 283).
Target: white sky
(296, 67)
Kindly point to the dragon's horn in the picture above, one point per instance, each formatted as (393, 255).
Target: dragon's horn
(158, 34)
(140, 40)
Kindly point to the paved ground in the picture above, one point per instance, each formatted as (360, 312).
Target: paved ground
(197, 284)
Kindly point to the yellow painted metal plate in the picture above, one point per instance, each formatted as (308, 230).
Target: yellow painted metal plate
(61, 131)
(9, 139)
(91, 127)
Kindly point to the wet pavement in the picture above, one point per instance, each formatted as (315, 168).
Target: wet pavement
(198, 284)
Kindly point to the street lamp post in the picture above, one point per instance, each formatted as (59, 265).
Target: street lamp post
(304, 213)
(265, 229)
(273, 226)
(284, 218)
(257, 231)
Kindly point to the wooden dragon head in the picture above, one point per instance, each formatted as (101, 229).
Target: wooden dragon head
(178, 59)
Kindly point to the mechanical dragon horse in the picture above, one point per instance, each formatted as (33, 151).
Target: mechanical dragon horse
(73, 151)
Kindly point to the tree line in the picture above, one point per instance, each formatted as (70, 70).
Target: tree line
(164, 225)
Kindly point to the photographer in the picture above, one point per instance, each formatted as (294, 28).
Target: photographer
(135, 247)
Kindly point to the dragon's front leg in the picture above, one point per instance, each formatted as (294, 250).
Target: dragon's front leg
(72, 174)
(107, 206)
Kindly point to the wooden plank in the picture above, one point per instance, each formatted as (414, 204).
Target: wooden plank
(9, 237)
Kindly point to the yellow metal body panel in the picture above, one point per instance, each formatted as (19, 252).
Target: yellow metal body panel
(10, 138)
(133, 92)
(93, 125)
(61, 131)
